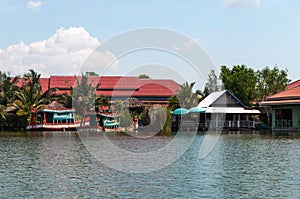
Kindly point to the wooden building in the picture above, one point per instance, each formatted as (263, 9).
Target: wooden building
(224, 110)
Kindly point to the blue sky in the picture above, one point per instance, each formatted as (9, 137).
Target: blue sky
(257, 33)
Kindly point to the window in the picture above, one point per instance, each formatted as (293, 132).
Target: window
(283, 118)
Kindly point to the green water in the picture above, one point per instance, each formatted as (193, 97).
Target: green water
(57, 165)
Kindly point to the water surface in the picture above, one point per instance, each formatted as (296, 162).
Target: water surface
(47, 165)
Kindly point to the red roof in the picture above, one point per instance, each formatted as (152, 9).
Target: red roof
(62, 82)
(289, 96)
(114, 86)
(294, 92)
(118, 82)
(45, 84)
(293, 84)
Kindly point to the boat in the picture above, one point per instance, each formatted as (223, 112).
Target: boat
(100, 121)
(55, 119)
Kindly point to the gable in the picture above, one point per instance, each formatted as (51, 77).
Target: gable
(226, 100)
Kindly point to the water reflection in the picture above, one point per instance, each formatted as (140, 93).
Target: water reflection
(44, 165)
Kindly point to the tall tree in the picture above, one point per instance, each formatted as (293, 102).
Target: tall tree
(8, 87)
(212, 84)
(30, 96)
(83, 95)
(241, 81)
(185, 98)
(270, 81)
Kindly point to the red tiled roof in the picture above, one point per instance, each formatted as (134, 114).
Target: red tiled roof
(293, 84)
(289, 96)
(280, 102)
(45, 84)
(62, 82)
(114, 86)
(118, 82)
(286, 94)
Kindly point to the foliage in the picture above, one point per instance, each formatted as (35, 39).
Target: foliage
(144, 76)
(212, 84)
(91, 73)
(30, 97)
(125, 116)
(144, 117)
(250, 86)
(270, 81)
(2, 114)
(241, 81)
(101, 100)
(186, 98)
(8, 87)
(83, 95)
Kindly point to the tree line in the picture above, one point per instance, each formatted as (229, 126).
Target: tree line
(248, 85)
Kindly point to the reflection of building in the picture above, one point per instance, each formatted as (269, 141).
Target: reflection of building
(153, 91)
(285, 108)
(224, 104)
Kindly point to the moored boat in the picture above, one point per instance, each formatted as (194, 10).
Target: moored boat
(56, 119)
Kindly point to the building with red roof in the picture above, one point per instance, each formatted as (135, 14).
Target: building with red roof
(293, 84)
(149, 91)
(285, 108)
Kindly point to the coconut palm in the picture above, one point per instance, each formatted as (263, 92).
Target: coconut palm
(83, 95)
(8, 87)
(185, 98)
(30, 97)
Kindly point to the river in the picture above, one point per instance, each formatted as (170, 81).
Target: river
(58, 165)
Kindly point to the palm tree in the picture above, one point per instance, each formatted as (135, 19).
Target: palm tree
(8, 87)
(30, 97)
(187, 99)
(83, 95)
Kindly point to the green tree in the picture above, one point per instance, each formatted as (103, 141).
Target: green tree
(102, 100)
(144, 76)
(125, 116)
(270, 81)
(8, 87)
(187, 99)
(91, 73)
(212, 84)
(30, 96)
(2, 115)
(83, 95)
(241, 81)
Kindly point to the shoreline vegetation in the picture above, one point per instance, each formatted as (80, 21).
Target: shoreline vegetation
(19, 95)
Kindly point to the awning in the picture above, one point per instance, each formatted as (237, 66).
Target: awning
(234, 110)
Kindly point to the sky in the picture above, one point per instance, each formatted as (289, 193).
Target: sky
(56, 37)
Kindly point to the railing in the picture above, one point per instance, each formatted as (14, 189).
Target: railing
(216, 124)
(230, 124)
(283, 123)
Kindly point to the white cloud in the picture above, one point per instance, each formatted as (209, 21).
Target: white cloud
(34, 5)
(62, 53)
(241, 3)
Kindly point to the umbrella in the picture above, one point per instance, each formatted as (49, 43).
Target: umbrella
(180, 111)
(196, 110)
